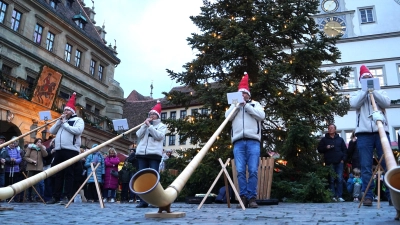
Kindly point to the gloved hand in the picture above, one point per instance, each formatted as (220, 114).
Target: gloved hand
(377, 115)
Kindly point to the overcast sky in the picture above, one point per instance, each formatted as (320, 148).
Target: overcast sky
(151, 37)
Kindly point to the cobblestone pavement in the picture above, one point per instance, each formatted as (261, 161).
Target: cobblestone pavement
(283, 213)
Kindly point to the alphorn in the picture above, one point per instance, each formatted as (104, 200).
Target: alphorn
(146, 183)
(392, 176)
(9, 191)
(23, 135)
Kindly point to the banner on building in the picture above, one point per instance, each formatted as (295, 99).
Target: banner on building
(47, 86)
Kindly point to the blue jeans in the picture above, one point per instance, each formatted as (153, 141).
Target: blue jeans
(247, 152)
(109, 193)
(336, 183)
(366, 143)
(144, 163)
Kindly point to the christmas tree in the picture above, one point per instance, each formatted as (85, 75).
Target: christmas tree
(279, 45)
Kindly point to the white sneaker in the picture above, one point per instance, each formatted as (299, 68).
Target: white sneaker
(341, 199)
(334, 199)
(104, 199)
(130, 201)
(112, 200)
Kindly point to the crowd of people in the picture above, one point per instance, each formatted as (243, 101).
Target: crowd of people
(246, 118)
(365, 140)
(20, 163)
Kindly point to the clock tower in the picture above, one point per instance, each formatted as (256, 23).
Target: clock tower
(334, 19)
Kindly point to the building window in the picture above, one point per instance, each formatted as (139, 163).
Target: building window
(64, 95)
(181, 142)
(183, 114)
(96, 111)
(163, 116)
(164, 142)
(204, 111)
(3, 9)
(351, 81)
(172, 140)
(53, 3)
(348, 134)
(101, 68)
(15, 20)
(80, 23)
(68, 51)
(78, 56)
(69, 3)
(367, 15)
(378, 73)
(50, 41)
(92, 67)
(88, 107)
(37, 36)
(173, 115)
(194, 111)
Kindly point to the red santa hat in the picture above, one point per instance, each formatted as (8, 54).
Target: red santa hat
(71, 103)
(156, 109)
(244, 84)
(364, 71)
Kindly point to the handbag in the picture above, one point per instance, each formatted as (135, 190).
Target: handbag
(114, 173)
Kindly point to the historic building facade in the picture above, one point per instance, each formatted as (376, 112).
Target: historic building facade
(48, 50)
(370, 38)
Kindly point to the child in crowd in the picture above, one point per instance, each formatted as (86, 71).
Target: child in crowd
(354, 184)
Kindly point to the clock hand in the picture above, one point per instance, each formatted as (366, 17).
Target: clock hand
(329, 6)
(333, 28)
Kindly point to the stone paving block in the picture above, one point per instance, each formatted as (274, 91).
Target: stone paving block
(284, 213)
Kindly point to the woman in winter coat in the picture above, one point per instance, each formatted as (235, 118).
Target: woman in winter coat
(34, 155)
(110, 176)
(94, 158)
(12, 174)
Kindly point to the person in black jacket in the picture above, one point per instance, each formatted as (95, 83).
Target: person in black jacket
(334, 149)
(48, 182)
(352, 153)
(134, 163)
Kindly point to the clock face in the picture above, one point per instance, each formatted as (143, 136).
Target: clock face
(333, 26)
(330, 5)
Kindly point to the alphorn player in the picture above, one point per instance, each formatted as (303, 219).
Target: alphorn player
(150, 148)
(68, 130)
(367, 131)
(246, 137)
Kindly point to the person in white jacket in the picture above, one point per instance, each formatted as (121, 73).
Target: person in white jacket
(367, 131)
(68, 130)
(246, 138)
(150, 148)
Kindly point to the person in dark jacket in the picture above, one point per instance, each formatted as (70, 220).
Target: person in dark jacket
(352, 152)
(134, 163)
(4, 156)
(334, 149)
(125, 175)
(48, 182)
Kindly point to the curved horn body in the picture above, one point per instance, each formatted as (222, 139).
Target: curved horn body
(392, 176)
(9, 191)
(23, 135)
(146, 182)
